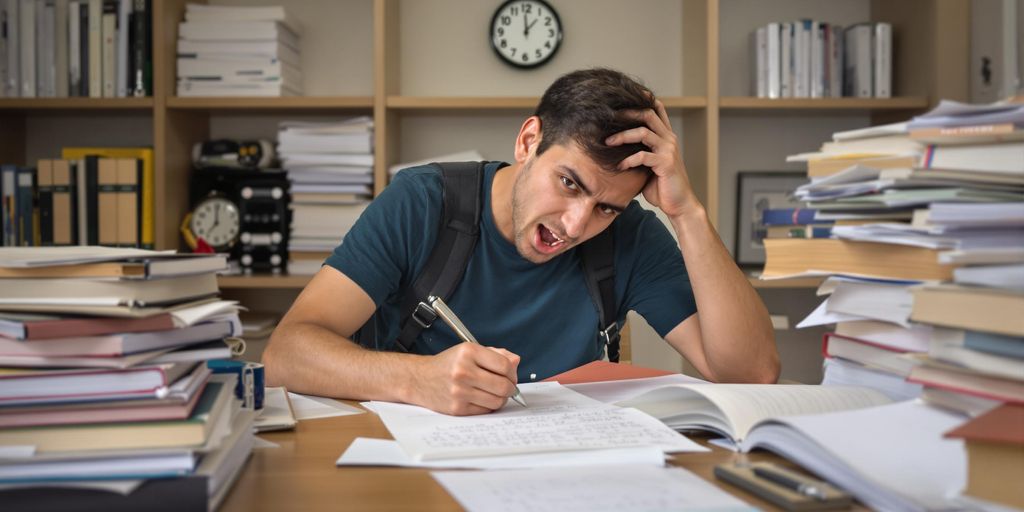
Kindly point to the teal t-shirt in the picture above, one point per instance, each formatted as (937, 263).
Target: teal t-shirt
(542, 312)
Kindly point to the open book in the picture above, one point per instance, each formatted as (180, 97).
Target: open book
(891, 456)
(732, 410)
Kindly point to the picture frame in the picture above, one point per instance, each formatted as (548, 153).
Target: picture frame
(755, 192)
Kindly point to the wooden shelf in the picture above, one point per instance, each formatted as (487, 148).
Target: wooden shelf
(802, 282)
(76, 103)
(903, 103)
(506, 103)
(263, 281)
(275, 103)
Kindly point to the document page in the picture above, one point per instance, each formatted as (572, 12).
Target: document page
(604, 488)
(557, 419)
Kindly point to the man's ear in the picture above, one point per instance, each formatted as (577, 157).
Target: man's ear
(528, 139)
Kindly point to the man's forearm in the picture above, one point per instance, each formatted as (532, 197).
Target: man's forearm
(327, 364)
(736, 330)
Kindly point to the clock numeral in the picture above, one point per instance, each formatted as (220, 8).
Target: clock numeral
(513, 51)
(527, 8)
(515, 11)
(504, 43)
(507, 20)
(551, 32)
(501, 31)
(538, 54)
(547, 44)
(526, 58)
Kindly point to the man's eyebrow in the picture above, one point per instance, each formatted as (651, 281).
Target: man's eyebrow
(583, 188)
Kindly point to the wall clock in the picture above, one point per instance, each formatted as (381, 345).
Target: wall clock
(526, 33)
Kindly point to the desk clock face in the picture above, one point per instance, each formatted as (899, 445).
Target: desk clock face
(216, 220)
(526, 33)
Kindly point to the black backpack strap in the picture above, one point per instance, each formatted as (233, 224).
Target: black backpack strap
(456, 239)
(597, 256)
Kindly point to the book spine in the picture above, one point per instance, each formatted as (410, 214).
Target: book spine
(89, 208)
(108, 50)
(817, 71)
(74, 51)
(85, 66)
(63, 224)
(95, 45)
(11, 81)
(883, 60)
(73, 188)
(760, 42)
(107, 201)
(788, 216)
(8, 187)
(124, 9)
(773, 55)
(61, 85)
(27, 45)
(26, 207)
(129, 174)
(835, 52)
(786, 60)
(46, 51)
(44, 168)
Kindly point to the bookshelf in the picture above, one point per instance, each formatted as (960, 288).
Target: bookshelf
(388, 58)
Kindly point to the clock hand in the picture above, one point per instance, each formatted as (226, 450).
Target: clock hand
(216, 217)
(531, 24)
(526, 26)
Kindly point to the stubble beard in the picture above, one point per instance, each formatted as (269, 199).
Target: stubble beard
(521, 239)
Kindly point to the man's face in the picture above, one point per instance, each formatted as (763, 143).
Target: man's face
(561, 199)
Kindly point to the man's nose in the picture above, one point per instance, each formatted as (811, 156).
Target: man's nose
(575, 220)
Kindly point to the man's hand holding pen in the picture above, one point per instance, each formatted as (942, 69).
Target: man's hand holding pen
(468, 378)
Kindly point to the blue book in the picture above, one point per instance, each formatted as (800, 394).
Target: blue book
(997, 344)
(789, 217)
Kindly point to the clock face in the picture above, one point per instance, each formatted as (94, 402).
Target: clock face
(526, 33)
(216, 221)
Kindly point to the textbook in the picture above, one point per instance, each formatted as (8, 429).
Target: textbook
(735, 410)
(28, 386)
(215, 402)
(141, 268)
(28, 326)
(100, 292)
(115, 345)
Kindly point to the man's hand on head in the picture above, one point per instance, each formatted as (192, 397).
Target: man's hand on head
(669, 188)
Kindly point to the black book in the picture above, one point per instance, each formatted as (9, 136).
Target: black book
(44, 200)
(91, 195)
(167, 494)
(83, 49)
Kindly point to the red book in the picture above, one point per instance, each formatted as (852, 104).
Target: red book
(42, 327)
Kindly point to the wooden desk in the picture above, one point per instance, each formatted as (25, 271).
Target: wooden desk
(301, 475)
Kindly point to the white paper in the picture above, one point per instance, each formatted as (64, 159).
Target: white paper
(610, 392)
(592, 489)
(185, 317)
(122, 487)
(386, 452)
(17, 451)
(822, 316)
(307, 407)
(725, 442)
(558, 419)
(260, 443)
(890, 457)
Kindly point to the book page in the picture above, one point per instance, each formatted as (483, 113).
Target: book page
(558, 419)
(746, 404)
(607, 488)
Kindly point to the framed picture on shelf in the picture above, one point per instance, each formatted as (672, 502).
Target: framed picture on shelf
(757, 191)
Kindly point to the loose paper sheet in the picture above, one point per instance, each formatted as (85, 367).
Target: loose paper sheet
(386, 452)
(558, 419)
(307, 407)
(592, 489)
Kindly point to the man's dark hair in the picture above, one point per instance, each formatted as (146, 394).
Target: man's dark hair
(586, 107)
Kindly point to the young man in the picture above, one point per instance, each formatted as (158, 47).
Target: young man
(597, 140)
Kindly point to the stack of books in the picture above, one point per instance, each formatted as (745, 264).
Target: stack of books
(330, 167)
(104, 377)
(926, 303)
(238, 51)
(815, 59)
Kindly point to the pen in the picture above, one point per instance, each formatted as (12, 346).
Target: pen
(790, 482)
(463, 333)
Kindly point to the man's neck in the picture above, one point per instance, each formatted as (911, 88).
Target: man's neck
(501, 199)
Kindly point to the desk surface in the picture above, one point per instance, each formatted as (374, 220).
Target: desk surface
(301, 475)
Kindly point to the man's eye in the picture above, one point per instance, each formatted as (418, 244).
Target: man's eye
(568, 183)
(608, 211)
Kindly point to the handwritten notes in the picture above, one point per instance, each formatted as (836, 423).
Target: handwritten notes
(601, 488)
(558, 419)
